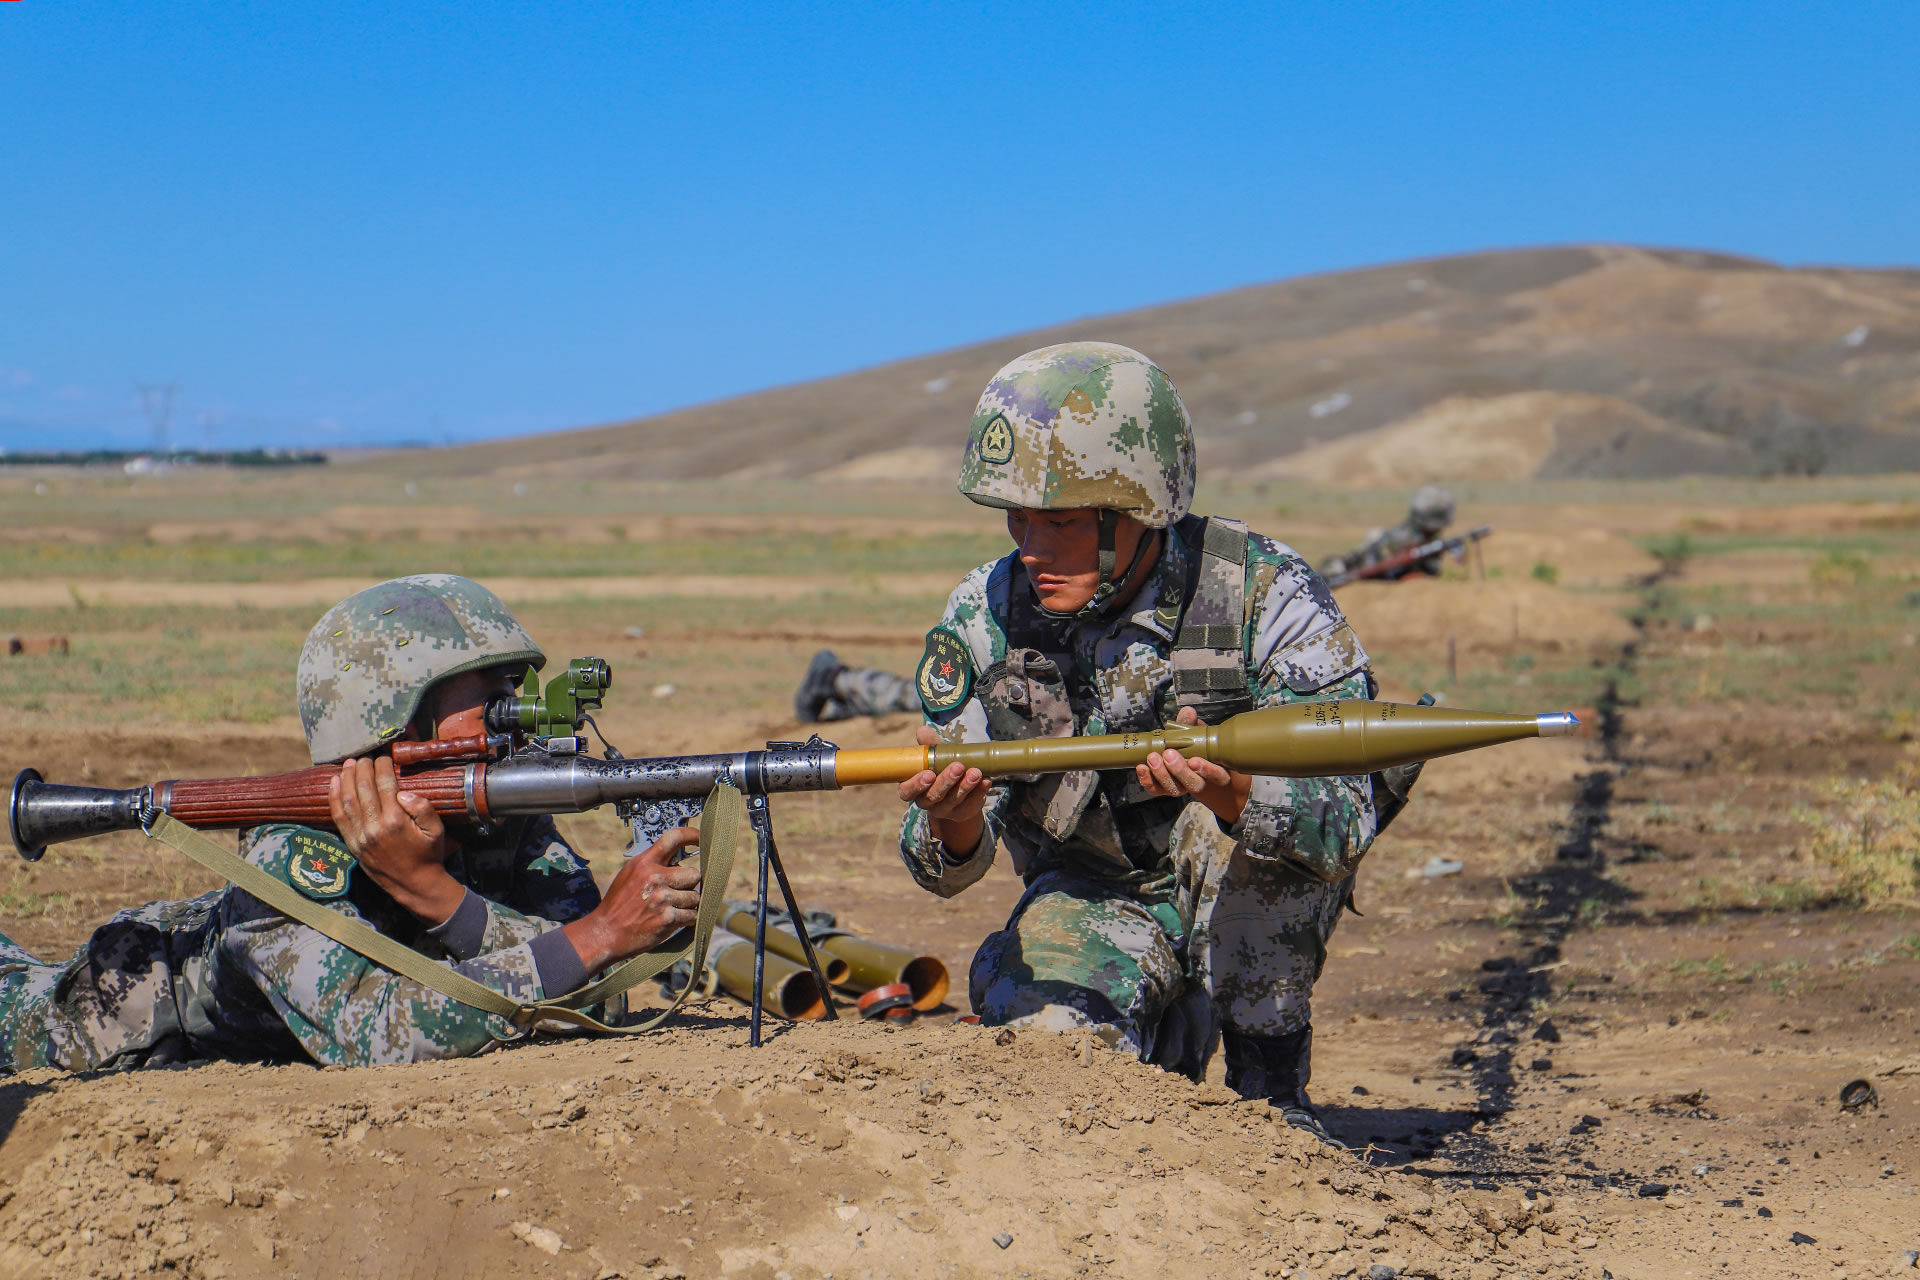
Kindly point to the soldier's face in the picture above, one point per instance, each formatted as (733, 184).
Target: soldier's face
(1061, 551)
(457, 707)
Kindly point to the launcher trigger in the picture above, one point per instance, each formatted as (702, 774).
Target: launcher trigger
(651, 819)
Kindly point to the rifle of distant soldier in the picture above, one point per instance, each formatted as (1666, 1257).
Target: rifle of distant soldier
(1401, 561)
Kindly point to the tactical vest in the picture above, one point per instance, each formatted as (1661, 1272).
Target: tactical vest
(1031, 693)
(1210, 648)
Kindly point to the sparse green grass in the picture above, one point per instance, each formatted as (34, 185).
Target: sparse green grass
(1840, 567)
(1715, 968)
(17, 903)
(1513, 909)
(1846, 644)
(1868, 833)
(1525, 682)
(1707, 542)
(198, 665)
(186, 665)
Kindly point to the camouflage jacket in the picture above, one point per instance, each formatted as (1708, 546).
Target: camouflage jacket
(1297, 645)
(225, 976)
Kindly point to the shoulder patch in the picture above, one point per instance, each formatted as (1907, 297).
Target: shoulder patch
(320, 865)
(945, 675)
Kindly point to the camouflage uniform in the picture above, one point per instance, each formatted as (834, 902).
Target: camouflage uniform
(1144, 918)
(832, 690)
(225, 976)
(869, 691)
(1249, 907)
(1427, 518)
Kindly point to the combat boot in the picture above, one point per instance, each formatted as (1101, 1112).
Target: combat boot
(816, 687)
(1276, 1068)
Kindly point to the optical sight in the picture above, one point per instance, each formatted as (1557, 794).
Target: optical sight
(569, 699)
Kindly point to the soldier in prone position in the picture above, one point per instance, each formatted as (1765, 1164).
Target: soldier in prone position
(1427, 518)
(225, 976)
(1180, 901)
(832, 690)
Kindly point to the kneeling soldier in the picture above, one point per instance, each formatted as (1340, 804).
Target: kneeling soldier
(225, 976)
(1181, 900)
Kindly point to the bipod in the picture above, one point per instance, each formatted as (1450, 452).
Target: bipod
(760, 818)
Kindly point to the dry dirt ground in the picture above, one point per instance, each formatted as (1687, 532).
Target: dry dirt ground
(1610, 1043)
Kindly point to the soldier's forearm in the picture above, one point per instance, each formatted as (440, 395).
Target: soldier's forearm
(430, 895)
(961, 836)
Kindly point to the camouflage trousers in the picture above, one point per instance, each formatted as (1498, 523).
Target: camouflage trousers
(1238, 949)
(57, 1015)
(869, 691)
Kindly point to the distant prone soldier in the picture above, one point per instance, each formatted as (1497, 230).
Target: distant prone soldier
(832, 690)
(516, 910)
(1179, 901)
(1427, 518)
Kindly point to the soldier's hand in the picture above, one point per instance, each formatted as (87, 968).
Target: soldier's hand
(648, 902)
(955, 798)
(1168, 773)
(395, 836)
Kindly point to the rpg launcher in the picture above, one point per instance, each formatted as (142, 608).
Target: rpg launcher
(532, 761)
(1401, 561)
(473, 781)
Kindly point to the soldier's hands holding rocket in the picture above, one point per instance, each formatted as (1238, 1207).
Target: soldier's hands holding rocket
(648, 902)
(396, 837)
(955, 798)
(1168, 773)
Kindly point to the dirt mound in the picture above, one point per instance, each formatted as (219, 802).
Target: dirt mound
(922, 463)
(837, 1150)
(1520, 436)
(1492, 616)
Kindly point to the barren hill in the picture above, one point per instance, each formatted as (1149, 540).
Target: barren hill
(1591, 361)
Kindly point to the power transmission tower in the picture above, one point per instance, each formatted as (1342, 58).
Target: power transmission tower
(156, 401)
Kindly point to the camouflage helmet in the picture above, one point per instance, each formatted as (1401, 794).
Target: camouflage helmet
(370, 660)
(1082, 424)
(1432, 509)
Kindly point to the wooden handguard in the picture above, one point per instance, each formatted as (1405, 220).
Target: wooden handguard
(301, 796)
(410, 753)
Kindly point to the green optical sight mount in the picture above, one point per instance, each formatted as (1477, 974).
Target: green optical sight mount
(559, 713)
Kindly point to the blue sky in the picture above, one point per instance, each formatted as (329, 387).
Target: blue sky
(372, 222)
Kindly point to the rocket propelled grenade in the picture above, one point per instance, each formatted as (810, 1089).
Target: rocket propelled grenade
(1298, 740)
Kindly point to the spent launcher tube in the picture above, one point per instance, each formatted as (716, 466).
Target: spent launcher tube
(1299, 740)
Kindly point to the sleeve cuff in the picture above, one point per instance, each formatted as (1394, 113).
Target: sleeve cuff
(984, 843)
(463, 932)
(556, 963)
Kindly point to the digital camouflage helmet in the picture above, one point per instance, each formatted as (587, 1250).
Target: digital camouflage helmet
(1084, 424)
(1431, 510)
(370, 660)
